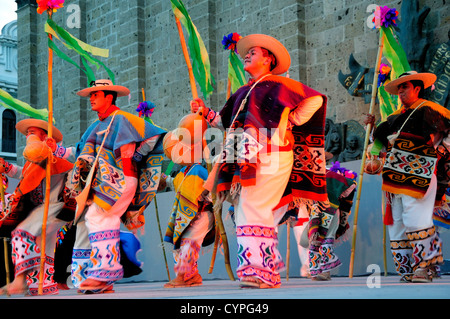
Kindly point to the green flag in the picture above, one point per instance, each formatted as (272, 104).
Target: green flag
(85, 50)
(200, 59)
(7, 101)
(235, 71)
(396, 56)
(385, 20)
(394, 52)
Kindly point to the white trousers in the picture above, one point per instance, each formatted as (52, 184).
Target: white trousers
(412, 214)
(186, 257)
(413, 238)
(96, 252)
(256, 220)
(26, 240)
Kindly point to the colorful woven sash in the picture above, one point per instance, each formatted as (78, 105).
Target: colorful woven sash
(409, 166)
(188, 185)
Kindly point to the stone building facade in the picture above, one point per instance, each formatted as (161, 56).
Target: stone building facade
(8, 83)
(145, 50)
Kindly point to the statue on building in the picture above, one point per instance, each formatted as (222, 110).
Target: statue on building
(352, 151)
(422, 54)
(332, 141)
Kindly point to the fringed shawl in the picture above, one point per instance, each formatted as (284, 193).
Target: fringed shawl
(340, 194)
(19, 204)
(264, 108)
(413, 160)
(109, 180)
(188, 185)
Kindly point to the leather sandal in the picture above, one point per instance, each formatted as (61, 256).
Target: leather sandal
(421, 275)
(253, 282)
(179, 282)
(92, 286)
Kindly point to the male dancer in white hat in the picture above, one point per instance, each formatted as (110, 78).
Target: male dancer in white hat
(414, 174)
(24, 212)
(278, 160)
(131, 146)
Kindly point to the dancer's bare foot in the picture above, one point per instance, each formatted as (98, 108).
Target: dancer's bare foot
(17, 287)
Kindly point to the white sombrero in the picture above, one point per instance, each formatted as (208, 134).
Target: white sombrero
(268, 43)
(104, 85)
(24, 125)
(427, 78)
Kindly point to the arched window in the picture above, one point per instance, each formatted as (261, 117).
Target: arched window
(9, 131)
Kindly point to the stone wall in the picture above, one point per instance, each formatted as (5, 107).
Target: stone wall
(145, 50)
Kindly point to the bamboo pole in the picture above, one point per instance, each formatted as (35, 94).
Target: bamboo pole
(288, 249)
(6, 255)
(366, 143)
(5, 240)
(161, 238)
(217, 212)
(228, 88)
(49, 163)
(383, 212)
(157, 218)
(186, 58)
(216, 244)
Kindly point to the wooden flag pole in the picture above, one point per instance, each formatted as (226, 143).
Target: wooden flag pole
(366, 143)
(49, 163)
(217, 212)
(157, 218)
(5, 240)
(383, 212)
(288, 249)
(228, 88)
(186, 58)
(216, 244)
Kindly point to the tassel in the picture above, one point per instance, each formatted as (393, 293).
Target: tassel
(388, 220)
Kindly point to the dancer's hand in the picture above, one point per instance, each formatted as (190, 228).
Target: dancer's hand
(204, 196)
(369, 119)
(51, 143)
(162, 182)
(3, 165)
(196, 105)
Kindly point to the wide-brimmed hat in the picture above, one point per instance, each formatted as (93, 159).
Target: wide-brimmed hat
(104, 85)
(427, 78)
(269, 43)
(24, 125)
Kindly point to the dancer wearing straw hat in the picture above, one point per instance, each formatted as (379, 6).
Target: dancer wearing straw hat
(129, 154)
(274, 149)
(415, 137)
(191, 221)
(23, 215)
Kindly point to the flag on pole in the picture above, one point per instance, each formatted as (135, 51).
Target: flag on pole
(7, 101)
(200, 59)
(85, 50)
(385, 20)
(236, 74)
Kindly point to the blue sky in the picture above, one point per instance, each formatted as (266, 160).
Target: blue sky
(7, 12)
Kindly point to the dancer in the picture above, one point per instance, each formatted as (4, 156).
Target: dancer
(414, 137)
(132, 148)
(191, 223)
(272, 123)
(25, 210)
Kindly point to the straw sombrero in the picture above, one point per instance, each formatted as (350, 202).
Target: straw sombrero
(268, 43)
(24, 125)
(427, 78)
(104, 85)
